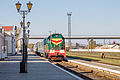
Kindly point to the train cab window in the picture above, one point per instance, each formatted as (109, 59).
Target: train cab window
(57, 47)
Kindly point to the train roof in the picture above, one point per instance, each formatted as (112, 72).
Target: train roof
(55, 34)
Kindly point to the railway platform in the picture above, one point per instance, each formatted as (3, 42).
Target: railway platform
(38, 69)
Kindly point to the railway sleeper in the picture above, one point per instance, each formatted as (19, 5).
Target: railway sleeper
(74, 72)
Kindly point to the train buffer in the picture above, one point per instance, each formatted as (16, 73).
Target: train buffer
(38, 69)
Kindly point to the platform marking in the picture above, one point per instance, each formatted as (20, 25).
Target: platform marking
(110, 70)
(67, 72)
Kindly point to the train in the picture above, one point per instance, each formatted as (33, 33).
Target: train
(52, 47)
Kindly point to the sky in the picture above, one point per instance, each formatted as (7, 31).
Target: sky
(89, 17)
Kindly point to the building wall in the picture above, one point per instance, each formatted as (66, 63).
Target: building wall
(11, 45)
(6, 44)
(10, 39)
(19, 44)
(9, 48)
(2, 53)
(1, 44)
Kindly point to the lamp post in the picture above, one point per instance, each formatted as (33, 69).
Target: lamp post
(28, 33)
(4, 43)
(28, 37)
(15, 43)
(23, 64)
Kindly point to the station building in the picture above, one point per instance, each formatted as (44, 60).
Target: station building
(7, 41)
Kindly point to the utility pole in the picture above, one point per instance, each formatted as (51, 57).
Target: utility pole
(88, 45)
(55, 31)
(50, 32)
(104, 42)
(50, 36)
(69, 29)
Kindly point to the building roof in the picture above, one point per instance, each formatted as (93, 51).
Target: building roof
(7, 28)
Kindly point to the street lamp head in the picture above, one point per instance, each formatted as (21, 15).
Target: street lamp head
(28, 31)
(18, 6)
(21, 23)
(29, 5)
(28, 23)
(15, 28)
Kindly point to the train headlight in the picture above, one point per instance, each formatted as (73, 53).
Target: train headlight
(52, 51)
(62, 51)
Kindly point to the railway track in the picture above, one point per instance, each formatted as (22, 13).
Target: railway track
(85, 72)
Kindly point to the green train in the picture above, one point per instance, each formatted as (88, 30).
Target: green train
(52, 47)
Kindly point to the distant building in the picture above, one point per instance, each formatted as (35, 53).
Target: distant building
(2, 53)
(112, 46)
(18, 42)
(10, 39)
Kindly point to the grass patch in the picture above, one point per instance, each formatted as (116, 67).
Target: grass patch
(85, 57)
(82, 58)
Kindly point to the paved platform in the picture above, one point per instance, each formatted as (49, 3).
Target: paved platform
(38, 69)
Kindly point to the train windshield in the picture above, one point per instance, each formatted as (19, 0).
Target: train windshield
(57, 47)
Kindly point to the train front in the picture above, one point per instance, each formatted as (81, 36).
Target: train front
(57, 47)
